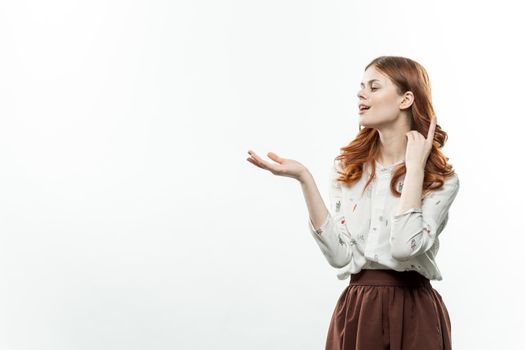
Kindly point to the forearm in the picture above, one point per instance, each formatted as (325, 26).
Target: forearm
(316, 207)
(413, 232)
(329, 232)
(412, 190)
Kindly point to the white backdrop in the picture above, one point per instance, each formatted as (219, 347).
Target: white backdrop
(130, 218)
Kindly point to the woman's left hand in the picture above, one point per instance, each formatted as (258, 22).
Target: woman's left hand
(418, 148)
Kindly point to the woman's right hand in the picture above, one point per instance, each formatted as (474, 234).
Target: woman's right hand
(282, 167)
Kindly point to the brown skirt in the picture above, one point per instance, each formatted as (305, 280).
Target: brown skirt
(389, 310)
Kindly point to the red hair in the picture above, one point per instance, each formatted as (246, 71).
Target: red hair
(407, 75)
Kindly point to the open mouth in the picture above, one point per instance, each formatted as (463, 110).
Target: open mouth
(362, 109)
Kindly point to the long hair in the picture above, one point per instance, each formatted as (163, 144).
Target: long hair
(407, 75)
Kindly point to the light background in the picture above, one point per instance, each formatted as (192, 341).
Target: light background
(130, 218)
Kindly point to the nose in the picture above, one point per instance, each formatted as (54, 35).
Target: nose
(360, 94)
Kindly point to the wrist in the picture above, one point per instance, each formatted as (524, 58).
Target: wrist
(415, 170)
(304, 176)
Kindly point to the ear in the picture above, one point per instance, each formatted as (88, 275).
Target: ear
(407, 100)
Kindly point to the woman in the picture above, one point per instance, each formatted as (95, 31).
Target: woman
(390, 192)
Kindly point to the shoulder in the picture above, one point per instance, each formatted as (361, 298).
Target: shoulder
(336, 169)
(452, 180)
(450, 187)
(337, 166)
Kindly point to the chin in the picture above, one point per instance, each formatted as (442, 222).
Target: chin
(365, 123)
(370, 122)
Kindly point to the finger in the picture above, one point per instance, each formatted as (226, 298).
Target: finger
(417, 136)
(258, 161)
(431, 129)
(254, 162)
(275, 157)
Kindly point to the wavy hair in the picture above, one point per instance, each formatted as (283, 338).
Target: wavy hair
(406, 75)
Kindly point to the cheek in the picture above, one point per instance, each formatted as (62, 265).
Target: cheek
(385, 101)
(385, 106)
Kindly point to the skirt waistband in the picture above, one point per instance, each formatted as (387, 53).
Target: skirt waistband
(384, 277)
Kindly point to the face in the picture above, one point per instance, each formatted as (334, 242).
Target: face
(379, 92)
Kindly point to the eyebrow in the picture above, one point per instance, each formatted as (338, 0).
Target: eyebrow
(369, 82)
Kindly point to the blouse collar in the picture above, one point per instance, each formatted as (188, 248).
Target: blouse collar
(380, 169)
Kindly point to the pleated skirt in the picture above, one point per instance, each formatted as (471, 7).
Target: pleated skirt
(389, 310)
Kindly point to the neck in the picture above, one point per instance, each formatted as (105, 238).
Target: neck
(393, 148)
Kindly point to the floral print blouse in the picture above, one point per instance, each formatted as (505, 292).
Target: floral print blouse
(362, 232)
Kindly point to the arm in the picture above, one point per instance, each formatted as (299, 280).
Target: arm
(413, 190)
(329, 231)
(416, 224)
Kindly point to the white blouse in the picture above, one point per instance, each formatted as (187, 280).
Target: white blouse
(361, 232)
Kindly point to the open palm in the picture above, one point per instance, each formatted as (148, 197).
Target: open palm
(282, 166)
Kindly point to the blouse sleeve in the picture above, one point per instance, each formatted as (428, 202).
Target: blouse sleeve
(332, 237)
(414, 231)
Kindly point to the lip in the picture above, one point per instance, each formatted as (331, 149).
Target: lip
(364, 110)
